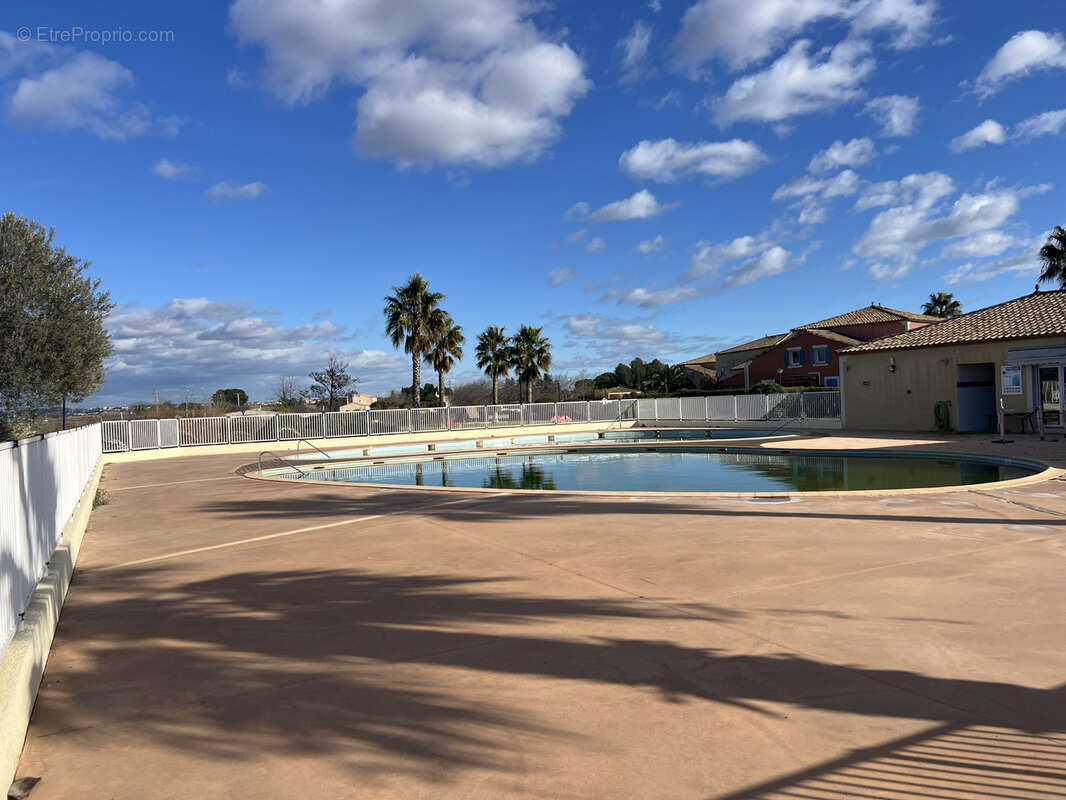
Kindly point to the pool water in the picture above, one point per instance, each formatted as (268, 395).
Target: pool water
(691, 469)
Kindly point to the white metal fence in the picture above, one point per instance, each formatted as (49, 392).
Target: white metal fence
(150, 434)
(41, 482)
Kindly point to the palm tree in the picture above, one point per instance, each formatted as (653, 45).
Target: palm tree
(446, 349)
(942, 304)
(413, 316)
(668, 378)
(1053, 257)
(531, 355)
(494, 357)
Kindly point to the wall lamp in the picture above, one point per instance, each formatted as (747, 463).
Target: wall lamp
(891, 364)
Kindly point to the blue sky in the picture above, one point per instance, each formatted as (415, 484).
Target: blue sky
(648, 179)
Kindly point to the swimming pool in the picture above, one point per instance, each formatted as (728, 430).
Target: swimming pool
(676, 468)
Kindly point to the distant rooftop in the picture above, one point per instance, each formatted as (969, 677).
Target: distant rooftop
(1037, 314)
(869, 315)
(759, 344)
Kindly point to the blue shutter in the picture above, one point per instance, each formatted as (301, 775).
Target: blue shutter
(786, 356)
(802, 356)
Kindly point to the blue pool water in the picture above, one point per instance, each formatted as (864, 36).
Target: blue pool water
(690, 468)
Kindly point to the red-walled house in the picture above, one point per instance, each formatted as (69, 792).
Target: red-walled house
(808, 355)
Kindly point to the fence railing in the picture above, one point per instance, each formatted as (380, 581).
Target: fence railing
(119, 436)
(41, 482)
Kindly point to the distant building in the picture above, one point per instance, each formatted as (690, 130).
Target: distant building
(702, 371)
(357, 401)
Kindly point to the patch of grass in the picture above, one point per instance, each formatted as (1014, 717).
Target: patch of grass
(101, 498)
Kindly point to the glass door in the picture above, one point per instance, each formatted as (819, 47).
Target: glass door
(1051, 396)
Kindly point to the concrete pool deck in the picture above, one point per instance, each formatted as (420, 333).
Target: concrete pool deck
(226, 637)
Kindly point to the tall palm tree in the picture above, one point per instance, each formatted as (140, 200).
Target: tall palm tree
(942, 304)
(413, 317)
(668, 378)
(494, 357)
(531, 356)
(446, 349)
(1053, 257)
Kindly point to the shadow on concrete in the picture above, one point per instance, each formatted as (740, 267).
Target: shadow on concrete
(255, 664)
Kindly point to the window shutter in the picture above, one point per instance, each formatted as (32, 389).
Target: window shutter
(786, 356)
(801, 352)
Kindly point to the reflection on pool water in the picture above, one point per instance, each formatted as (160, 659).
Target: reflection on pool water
(692, 469)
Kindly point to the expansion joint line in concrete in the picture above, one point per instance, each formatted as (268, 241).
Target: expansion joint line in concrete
(1029, 506)
(294, 532)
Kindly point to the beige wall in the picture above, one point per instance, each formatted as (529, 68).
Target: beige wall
(876, 399)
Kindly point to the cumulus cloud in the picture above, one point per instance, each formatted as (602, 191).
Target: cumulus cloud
(1024, 53)
(843, 154)
(595, 245)
(613, 339)
(798, 82)
(59, 88)
(709, 257)
(772, 262)
(988, 132)
(651, 245)
(559, 276)
(922, 189)
(229, 190)
(641, 205)
(1046, 124)
(206, 344)
(897, 236)
(448, 81)
(1026, 261)
(812, 195)
(634, 49)
(896, 114)
(668, 160)
(742, 32)
(650, 297)
(987, 243)
(172, 170)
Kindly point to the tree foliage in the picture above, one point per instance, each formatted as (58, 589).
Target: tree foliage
(942, 304)
(330, 385)
(1053, 258)
(494, 356)
(51, 322)
(447, 347)
(414, 318)
(230, 397)
(531, 355)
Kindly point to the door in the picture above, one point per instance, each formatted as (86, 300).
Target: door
(1051, 396)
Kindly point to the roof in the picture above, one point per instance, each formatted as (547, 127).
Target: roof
(1037, 314)
(869, 315)
(764, 343)
(709, 358)
(832, 336)
(699, 369)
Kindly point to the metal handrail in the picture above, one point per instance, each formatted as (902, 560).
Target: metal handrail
(279, 458)
(305, 441)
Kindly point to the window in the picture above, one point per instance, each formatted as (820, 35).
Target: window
(794, 357)
(820, 354)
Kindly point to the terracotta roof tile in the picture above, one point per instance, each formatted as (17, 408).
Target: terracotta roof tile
(1037, 314)
(869, 315)
(764, 343)
(709, 358)
(832, 336)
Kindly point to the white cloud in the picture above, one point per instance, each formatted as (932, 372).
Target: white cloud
(653, 298)
(709, 257)
(1024, 53)
(897, 236)
(82, 92)
(596, 245)
(812, 195)
(559, 276)
(224, 190)
(651, 245)
(988, 132)
(798, 83)
(987, 243)
(1046, 124)
(447, 81)
(641, 205)
(1025, 262)
(922, 189)
(765, 265)
(667, 160)
(577, 235)
(671, 98)
(578, 210)
(172, 170)
(634, 48)
(613, 339)
(840, 154)
(744, 32)
(896, 114)
(206, 344)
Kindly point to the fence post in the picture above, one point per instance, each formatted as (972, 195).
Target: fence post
(803, 405)
(734, 408)
(655, 402)
(410, 420)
